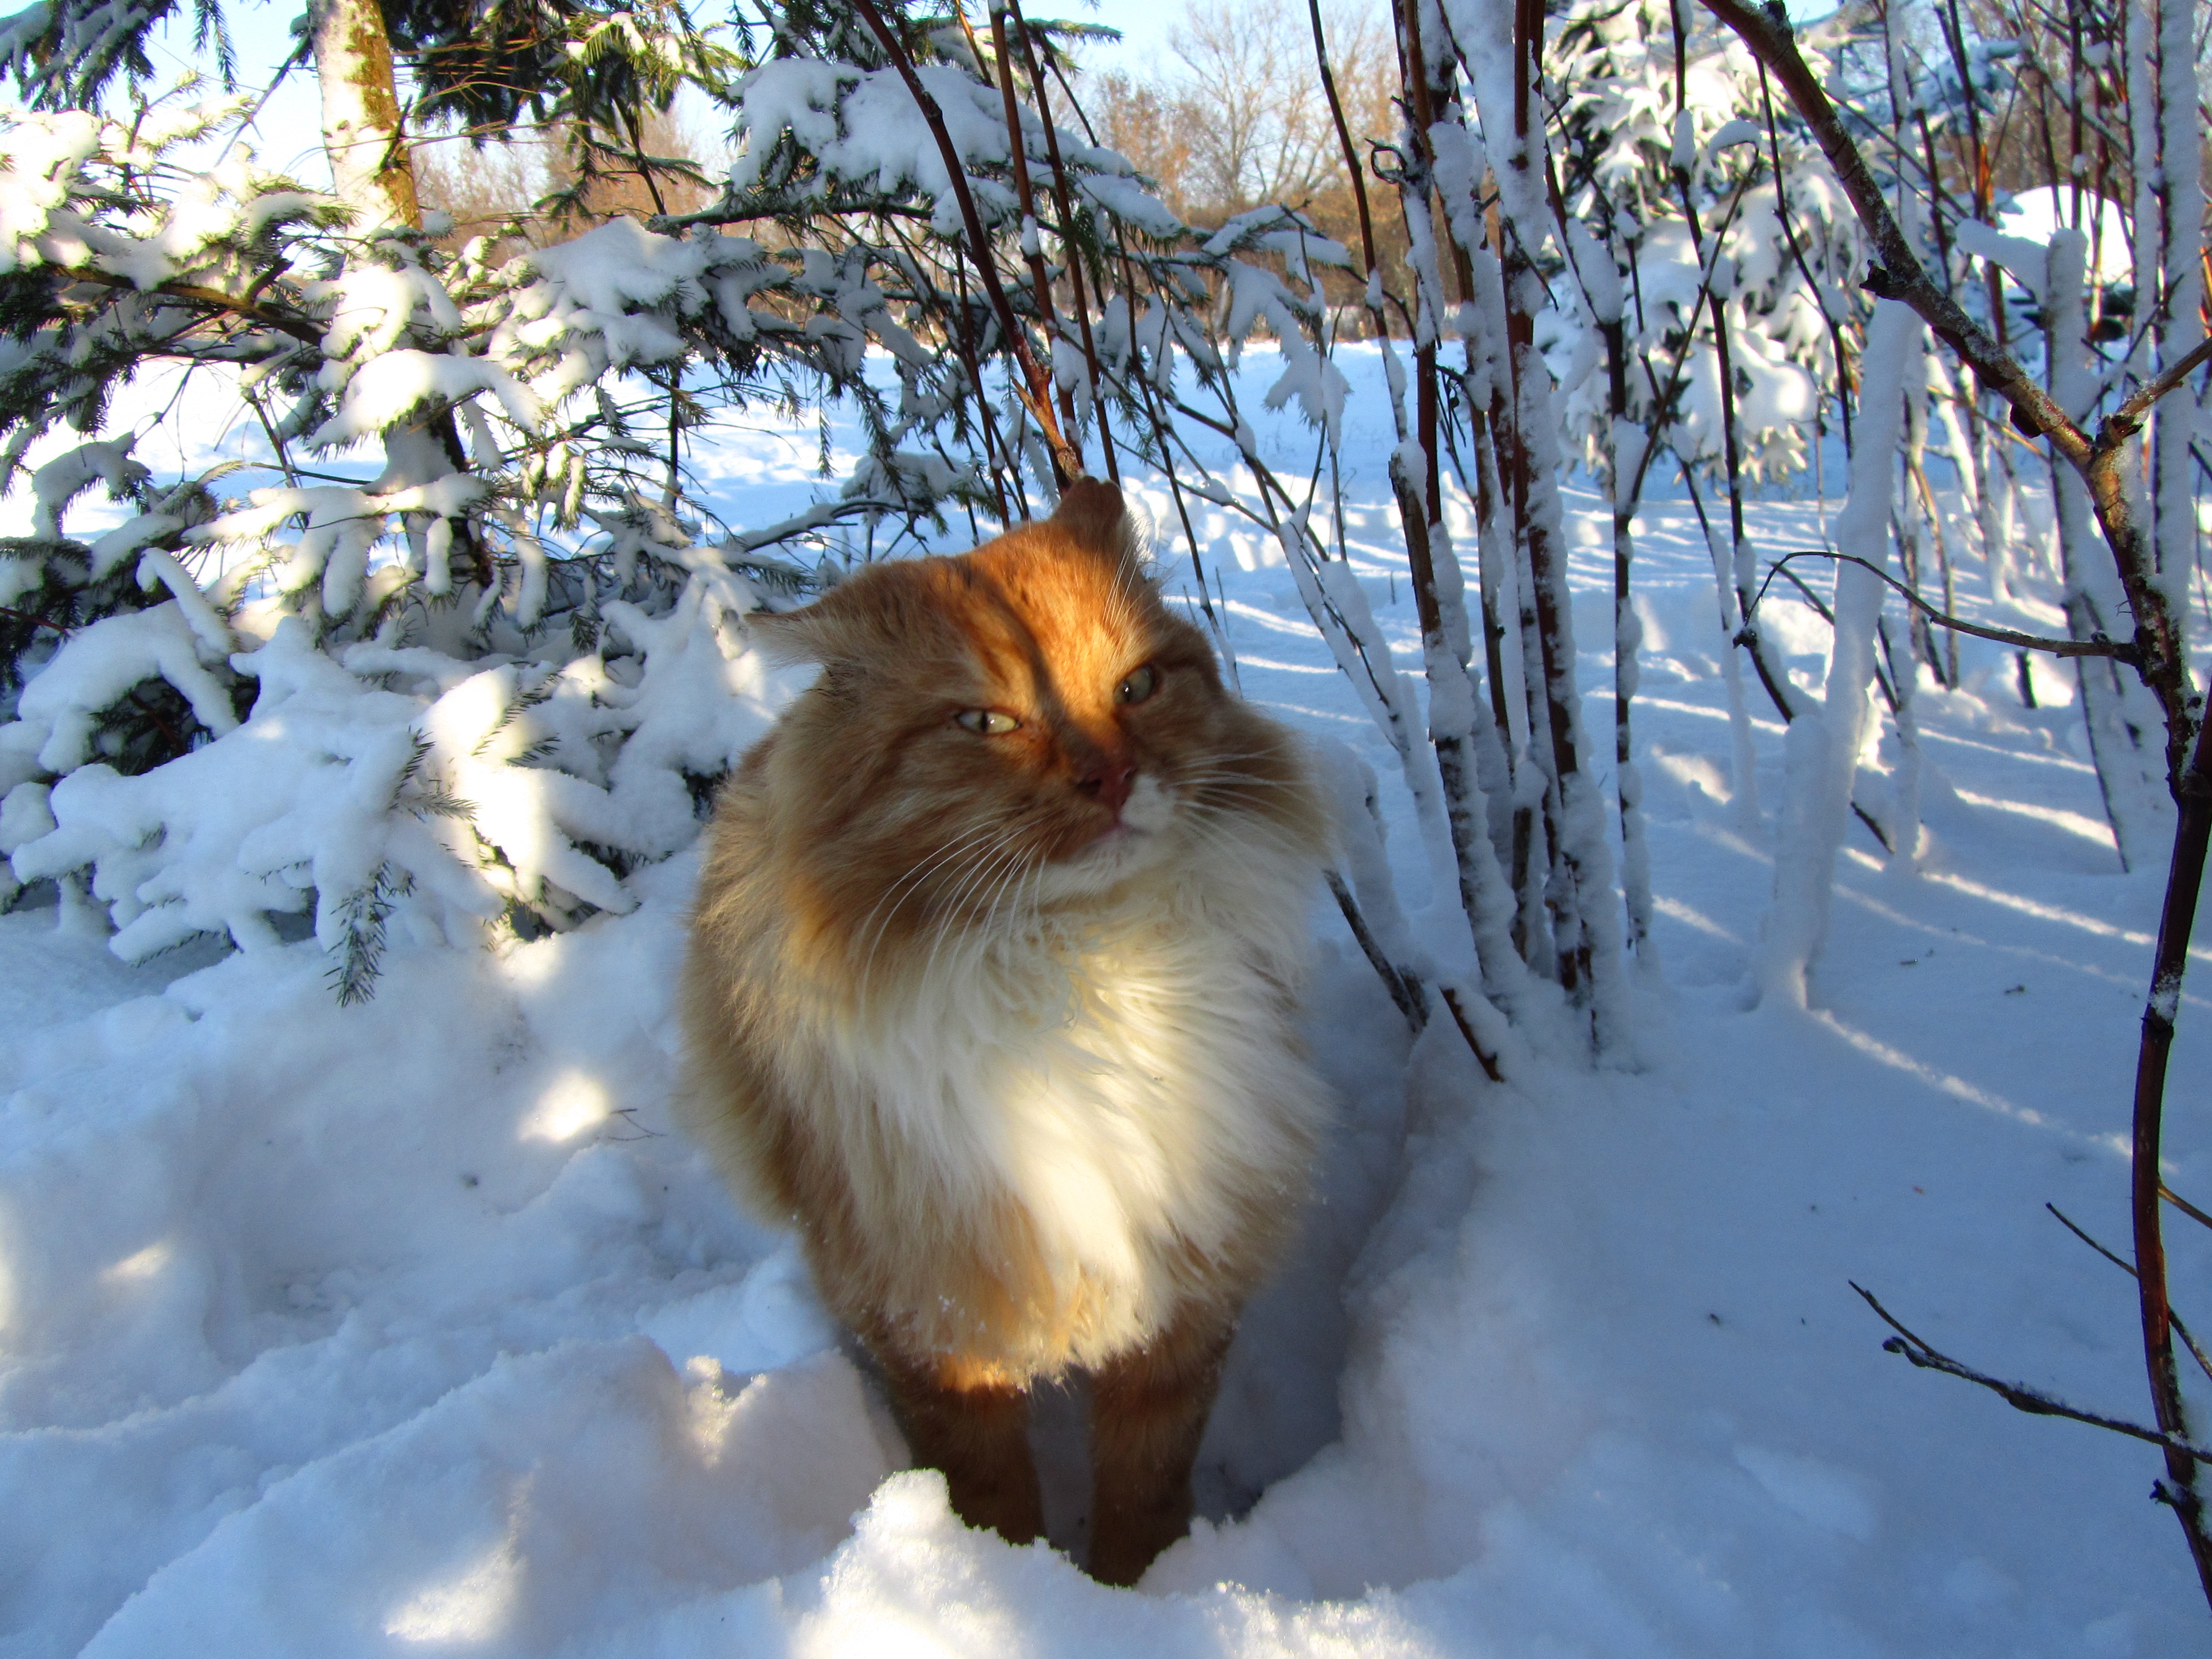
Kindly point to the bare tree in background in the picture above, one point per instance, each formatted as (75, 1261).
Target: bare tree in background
(1235, 118)
(1269, 137)
(532, 180)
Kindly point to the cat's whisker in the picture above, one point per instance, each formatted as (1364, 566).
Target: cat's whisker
(1214, 828)
(978, 868)
(980, 860)
(1010, 888)
(1007, 852)
(983, 863)
(929, 861)
(911, 884)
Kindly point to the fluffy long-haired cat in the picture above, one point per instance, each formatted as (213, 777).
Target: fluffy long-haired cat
(990, 996)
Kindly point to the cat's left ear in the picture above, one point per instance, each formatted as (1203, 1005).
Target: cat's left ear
(1095, 517)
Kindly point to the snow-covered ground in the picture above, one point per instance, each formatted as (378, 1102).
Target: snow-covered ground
(416, 1328)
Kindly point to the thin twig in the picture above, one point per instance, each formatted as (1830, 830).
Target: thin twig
(1403, 985)
(1820, 609)
(2128, 1268)
(2125, 650)
(2183, 1204)
(2020, 1397)
(1488, 1061)
(1074, 249)
(2125, 420)
(298, 328)
(1038, 397)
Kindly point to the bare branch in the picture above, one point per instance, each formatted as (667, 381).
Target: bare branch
(2019, 1396)
(2126, 651)
(1403, 985)
(2128, 417)
(1899, 275)
(298, 328)
(1488, 1061)
(1038, 397)
(2183, 1204)
(2128, 1267)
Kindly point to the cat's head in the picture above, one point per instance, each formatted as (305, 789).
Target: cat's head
(1020, 727)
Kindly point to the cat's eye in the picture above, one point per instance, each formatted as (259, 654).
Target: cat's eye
(990, 722)
(1140, 684)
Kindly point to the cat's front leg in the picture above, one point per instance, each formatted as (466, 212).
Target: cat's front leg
(966, 1420)
(1148, 1410)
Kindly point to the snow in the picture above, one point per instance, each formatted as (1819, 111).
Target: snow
(414, 1326)
(2035, 214)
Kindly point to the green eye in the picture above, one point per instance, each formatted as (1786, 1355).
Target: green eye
(991, 722)
(1140, 684)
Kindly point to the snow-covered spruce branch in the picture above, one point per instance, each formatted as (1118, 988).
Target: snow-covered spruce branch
(518, 520)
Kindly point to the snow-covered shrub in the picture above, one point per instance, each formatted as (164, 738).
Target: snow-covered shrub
(462, 643)
(1687, 202)
(472, 680)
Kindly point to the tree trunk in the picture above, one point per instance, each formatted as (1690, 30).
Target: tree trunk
(370, 168)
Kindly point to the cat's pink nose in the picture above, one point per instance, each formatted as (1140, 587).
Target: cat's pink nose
(1109, 784)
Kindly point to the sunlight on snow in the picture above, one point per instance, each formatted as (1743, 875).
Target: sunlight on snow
(2043, 912)
(1957, 1087)
(1897, 918)
(140, 1264)
(534, 963)
(1759, 723)
(711, 1403)
(1675, 910)
(576, 1102)
(469, 1607)
(2075, 823)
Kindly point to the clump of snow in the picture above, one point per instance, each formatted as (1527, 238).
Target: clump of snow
(435, 793)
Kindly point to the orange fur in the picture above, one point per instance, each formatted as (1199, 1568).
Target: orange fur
(1000, 1019)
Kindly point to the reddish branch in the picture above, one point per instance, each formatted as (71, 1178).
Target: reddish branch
(1017, 147)
(2176, 920)
(1067, 464)
(1074, 252)
(2159, 659)
(2100, 459)
(1350, 154)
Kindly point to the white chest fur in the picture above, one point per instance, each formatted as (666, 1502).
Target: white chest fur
(1125, 1072)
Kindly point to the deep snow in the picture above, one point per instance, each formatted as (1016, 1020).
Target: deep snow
(415, 1327)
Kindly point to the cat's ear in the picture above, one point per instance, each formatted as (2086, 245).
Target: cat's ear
(1094, 516)
(787, 637)
(845, 622)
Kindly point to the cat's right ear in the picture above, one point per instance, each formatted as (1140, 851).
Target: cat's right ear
(785, 637)
(852, 622)
(1093, 514)
(831, 629)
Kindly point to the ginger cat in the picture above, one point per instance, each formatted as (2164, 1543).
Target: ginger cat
(990, 996)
